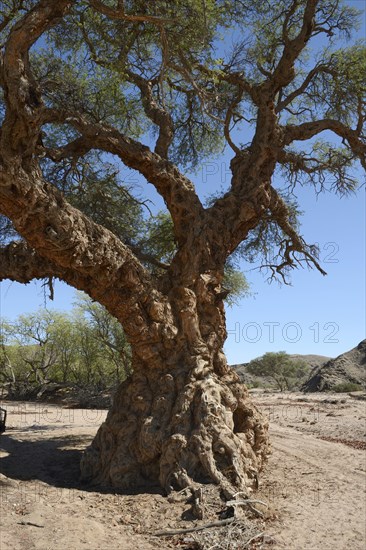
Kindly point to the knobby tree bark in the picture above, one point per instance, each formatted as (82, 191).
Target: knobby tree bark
(183, 416)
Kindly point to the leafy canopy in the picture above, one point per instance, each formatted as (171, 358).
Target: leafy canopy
(188, 75)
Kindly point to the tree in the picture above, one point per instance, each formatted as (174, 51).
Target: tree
(279, 367)
(34, 348)
(86, 347)
(84, 81)
(109, 336)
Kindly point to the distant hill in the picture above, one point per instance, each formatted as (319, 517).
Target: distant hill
(312, 361)
(348, 368)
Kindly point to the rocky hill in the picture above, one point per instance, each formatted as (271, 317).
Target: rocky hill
(312, 361)
(348, 368)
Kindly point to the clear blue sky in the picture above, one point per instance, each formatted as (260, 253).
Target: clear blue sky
(317, 315)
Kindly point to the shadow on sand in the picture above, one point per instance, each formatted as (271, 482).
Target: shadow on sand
(53, 460)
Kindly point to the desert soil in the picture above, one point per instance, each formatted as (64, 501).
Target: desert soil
(314, 486)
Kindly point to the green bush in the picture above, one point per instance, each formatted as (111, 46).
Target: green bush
(345, 387)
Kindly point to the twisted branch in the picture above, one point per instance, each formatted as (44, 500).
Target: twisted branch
(176, 189)
(307, 130)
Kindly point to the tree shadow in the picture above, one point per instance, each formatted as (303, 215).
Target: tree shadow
(56, 462)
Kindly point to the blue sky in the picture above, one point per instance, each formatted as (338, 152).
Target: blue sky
(317, 315)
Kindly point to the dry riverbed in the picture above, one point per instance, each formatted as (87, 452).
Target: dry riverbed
(314, 485)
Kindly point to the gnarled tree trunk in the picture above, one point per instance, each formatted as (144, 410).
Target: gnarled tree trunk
(183, 417)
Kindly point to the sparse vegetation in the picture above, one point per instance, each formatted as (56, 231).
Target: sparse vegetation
(86, 348)
(346, 387)
(285, 373)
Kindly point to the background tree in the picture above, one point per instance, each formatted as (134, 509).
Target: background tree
(85, 81)
(285, 372)
(85, 348)
(108, 333)
(33, 352)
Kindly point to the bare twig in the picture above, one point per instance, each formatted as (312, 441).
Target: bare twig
(211, 525)
(258, 536)
(30, 523)
(245, 502)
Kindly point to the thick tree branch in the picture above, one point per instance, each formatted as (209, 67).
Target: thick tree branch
(307, 130)
(22, 96)
(158, 115)
(59, 232)
(7, 16)
(2, 81)
(285, 72)
(22, 264)
(73, 150)
(82, 253)
(177, 190)
(148, 258)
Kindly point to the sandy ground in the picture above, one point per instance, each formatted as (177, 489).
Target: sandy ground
(314, 484)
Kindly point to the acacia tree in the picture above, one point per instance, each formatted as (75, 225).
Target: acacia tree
(86, 78)
(108, 335)
(279, 367)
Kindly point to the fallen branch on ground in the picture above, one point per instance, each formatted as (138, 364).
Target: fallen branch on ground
(30, 523)
(258, 536)
(213, 524)
(245, 502)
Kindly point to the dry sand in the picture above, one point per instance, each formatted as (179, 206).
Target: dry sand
(315, 488)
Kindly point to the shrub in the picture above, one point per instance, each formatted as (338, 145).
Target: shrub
(345, 387)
